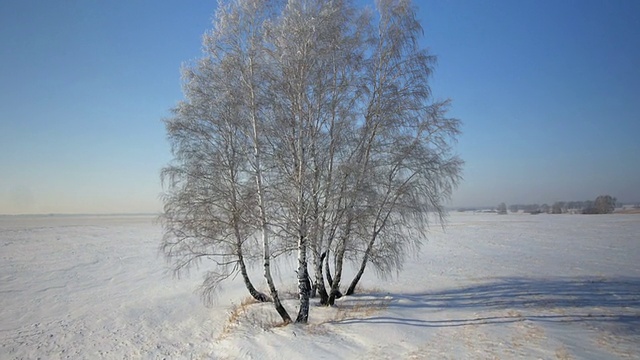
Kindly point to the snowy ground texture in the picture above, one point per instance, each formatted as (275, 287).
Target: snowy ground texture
(490, 286)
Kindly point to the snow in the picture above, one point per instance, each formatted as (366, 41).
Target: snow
(489, 286)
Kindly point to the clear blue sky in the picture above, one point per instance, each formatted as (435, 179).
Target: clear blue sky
(549, 93)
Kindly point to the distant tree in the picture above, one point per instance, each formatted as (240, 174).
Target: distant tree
(531, 208)
(514, 208)
(590, 210)
(502, 209)
(558, 207)
(604, 204)
(588, 204)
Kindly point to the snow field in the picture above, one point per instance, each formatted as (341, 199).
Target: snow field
(489, 286)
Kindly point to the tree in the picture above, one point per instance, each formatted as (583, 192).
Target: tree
(408, 167)
(502, 209)
(239, 42)
(316, 133)
(217, 131)
(558, 207)
(545, 208)
(208, 202)
(604, 204)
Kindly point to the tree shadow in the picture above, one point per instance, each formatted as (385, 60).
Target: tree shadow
(561, 300)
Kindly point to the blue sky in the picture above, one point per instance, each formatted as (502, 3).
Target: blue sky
(548, 91)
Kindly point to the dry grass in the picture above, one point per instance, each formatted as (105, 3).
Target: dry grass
(251, 312)
(255, 314)
(360, 309)
(627, 211)
(563, 354)
(514, 314)
(235, 316)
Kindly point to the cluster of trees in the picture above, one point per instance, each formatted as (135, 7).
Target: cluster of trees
(603, 204)
(502, 209)
(307, 128)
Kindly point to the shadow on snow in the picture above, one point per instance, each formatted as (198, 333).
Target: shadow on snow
(562, 300)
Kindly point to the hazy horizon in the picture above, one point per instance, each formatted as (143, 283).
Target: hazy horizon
(547, 92)
(159, 212)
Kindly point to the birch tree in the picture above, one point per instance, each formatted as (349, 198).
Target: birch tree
(239, 36)
(228, 92)
(208, 202)
(316, 49)
(319, 118)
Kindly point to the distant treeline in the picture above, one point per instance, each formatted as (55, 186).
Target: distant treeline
(603, 204)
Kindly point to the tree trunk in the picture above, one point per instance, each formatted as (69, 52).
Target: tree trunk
(356, 279)
(319, 285)
(304, 287)
(260, 192)
(259, 296)
(267, 275)
(328, 269)
(335, 284)
(363, 265)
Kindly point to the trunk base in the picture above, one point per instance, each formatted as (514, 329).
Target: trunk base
(334, 295)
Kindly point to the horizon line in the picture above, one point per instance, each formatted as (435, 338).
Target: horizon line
(82, 214)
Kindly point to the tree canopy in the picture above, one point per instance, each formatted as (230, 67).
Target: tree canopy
(309, 125)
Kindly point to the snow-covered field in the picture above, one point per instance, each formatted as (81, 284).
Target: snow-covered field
(490, 286)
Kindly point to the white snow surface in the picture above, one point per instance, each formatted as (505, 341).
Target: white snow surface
(489, 286)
